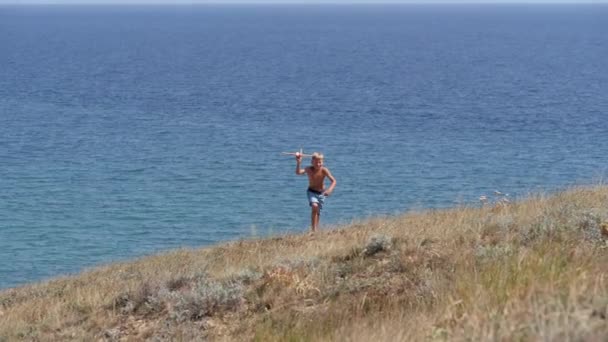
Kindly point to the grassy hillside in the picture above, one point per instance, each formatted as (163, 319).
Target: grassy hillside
(531, 270)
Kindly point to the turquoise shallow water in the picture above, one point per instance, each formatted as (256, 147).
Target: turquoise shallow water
(125, 131)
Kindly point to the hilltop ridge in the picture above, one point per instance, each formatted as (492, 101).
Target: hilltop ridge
(527, 270)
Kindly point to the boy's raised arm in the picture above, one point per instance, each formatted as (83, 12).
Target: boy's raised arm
(299, 170)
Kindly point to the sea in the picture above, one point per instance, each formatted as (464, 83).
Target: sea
(127, 131)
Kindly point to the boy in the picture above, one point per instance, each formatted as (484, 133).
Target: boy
(316, 187)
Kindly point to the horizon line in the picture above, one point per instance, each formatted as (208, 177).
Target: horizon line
(294, 2)
(278, 2)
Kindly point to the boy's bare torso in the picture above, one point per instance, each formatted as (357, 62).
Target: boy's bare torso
(316, 176)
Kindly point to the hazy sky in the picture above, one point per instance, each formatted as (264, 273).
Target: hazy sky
(285, 1)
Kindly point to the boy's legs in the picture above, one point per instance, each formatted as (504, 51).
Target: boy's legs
(314, 216)
(316, 201)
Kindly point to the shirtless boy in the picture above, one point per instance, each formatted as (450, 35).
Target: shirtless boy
(316, 186)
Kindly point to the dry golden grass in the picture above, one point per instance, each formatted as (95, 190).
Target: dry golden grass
(530, 270)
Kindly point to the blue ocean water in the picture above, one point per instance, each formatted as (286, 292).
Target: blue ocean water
(125, 131)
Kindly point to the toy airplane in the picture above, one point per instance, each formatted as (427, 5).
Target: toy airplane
(297, 153)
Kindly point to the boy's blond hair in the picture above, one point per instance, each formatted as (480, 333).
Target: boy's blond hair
(317, 155)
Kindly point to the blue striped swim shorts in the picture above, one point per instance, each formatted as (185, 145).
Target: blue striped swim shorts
(315, 197)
